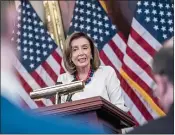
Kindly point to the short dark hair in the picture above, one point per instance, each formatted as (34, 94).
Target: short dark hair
(163, 63)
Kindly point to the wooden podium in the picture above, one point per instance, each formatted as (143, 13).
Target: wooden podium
(92, 111)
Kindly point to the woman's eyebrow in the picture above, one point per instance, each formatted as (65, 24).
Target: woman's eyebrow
(85, 45)
(75, 46)
(81, 45)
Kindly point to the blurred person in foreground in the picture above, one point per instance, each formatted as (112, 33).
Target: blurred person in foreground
(13, 119)
(82, 62)
(9, 82)
(163, 69)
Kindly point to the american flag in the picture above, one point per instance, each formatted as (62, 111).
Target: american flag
(89, 17)
(151, 26)
(39, 62)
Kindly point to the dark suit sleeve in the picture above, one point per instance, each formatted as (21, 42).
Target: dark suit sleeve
(163, 125)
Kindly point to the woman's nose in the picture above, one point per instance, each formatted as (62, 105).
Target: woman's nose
(80, 52)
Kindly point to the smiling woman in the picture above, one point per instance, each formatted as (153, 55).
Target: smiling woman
(82, 62)
(77, 46)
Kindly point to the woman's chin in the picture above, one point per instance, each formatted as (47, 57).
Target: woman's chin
(82, 65)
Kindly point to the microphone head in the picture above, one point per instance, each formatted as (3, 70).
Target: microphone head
(58, 83)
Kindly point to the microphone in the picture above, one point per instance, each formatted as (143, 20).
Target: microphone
(61, 89)
(57, 83)
(69, 97)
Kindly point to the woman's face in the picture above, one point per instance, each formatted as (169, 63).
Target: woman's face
(81, 52)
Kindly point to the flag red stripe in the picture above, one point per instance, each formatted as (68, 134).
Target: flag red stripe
(116, 50)
(28, 89)
(23, 104)
(120, 55)
(57, 57)
(141, 83)
(49, 70)
(62, 70)
(139, 61)
(136, 78)
(141, 107)
(38, 79)
(127, 89)
(25, 85)
(122, 37)
(140, 41)
(136, 123)
(52, 99)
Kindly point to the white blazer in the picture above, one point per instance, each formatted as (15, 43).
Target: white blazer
(104, 83)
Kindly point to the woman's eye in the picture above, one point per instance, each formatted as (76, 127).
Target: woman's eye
(74, 50)
(85, 48)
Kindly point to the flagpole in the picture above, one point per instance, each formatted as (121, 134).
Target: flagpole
(103, 4)
(54, 22)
